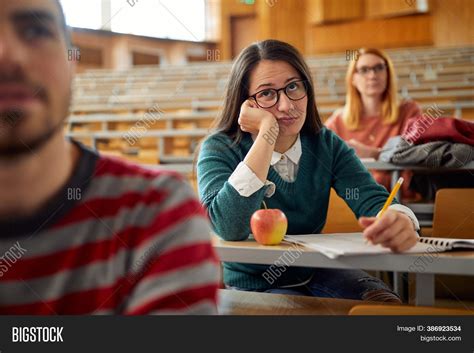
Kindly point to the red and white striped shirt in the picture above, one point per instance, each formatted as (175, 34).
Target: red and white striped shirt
(117, 239)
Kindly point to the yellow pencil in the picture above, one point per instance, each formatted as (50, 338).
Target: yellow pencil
(391, 197)
(388, 202)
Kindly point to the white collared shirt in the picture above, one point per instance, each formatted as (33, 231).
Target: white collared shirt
(286, 164)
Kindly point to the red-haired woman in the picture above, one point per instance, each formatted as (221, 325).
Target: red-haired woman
(372, 113)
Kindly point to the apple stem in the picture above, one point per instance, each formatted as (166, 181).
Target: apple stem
(264, 205)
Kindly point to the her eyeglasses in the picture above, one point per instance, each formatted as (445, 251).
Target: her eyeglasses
(269, 97)
(364, 70)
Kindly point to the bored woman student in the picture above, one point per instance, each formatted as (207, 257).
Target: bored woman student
(269, 145)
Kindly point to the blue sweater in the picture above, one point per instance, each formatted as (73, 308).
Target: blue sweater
(326, 162)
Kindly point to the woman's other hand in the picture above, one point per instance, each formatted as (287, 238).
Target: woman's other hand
(364, 151)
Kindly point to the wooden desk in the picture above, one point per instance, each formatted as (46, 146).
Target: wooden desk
(451, 263)
(235, 302)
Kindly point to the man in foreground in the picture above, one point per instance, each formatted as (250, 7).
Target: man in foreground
(81, 233)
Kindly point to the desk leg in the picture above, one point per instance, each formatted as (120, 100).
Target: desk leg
(425, 289)
(399, 285)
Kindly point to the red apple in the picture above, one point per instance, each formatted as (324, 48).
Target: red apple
(269, 226)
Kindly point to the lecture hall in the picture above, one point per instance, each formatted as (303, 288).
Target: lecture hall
(237, 157)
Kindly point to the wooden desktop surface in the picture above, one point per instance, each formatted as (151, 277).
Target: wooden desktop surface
(249, 251)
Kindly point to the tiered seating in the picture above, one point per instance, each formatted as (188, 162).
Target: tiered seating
(158, 115)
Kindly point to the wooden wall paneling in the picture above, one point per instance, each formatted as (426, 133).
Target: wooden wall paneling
(325, 11)
(383, 33)
(244, 31)
(453, 23)
(390, 8)
(228, 9)
(284, 20)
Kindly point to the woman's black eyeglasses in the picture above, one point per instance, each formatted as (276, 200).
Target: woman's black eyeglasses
(269, 97)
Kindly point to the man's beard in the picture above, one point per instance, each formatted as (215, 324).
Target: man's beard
(21, 148)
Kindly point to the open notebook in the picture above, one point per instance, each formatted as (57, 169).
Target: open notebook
(346, 244)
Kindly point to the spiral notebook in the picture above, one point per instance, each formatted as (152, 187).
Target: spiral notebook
(350, 244)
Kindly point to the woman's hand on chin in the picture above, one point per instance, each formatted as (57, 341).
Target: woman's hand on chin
(252, 119)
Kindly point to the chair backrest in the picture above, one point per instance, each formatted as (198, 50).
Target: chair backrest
(406, 310)
(454, 213)
(454, 218)
(340, 218)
